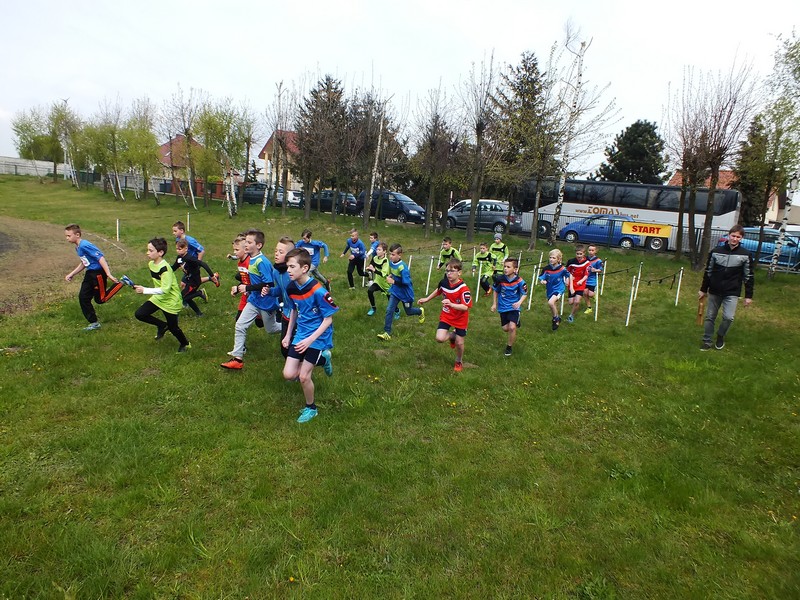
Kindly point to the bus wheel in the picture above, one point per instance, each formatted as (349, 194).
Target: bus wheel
(656, 244)
(543, 229)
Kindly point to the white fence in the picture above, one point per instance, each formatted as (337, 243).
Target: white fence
(22, 166)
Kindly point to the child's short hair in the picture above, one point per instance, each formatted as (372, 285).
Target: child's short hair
(179, 225)
(513, 261)
(286, 240)
(454, 263)
(557, 253)
(580, 248)
(306, 233)
(181, 244)
(483, 245)
(74, 228)
(353, 230)
(302, 257)
(160, 244)
(448, 240)
(383, 245)
(396, 248)
(239, 238)
(258, 236)
(374, 234)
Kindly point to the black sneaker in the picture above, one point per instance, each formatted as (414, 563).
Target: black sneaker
(720, 343)
(705, 346)
(184, 348)
(556, 321)
(161, 332)
(508, 351)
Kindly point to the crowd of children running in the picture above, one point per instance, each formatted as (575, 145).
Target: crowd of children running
(291, 296)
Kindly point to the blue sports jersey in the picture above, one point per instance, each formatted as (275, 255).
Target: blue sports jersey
(556, 278)
(357, 248)
(402, 288)
(373, 247)
(315, 248)
(260, 271)
(313, 304)
(281, 279)
(509, 291)
(195, 247)
(594, 263)
(90, 255)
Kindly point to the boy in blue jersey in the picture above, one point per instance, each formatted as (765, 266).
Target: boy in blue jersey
(309, 337)
(357, 252)
(373, 245)
(196, 249)
(280, 276)
(259, 300)
(510, 291)
(401, 291)
(556, 276)
(595, 267)
(318, 251)
(95, 280)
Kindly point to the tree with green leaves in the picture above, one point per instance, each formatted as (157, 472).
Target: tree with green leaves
(140, 144)
(636, 156)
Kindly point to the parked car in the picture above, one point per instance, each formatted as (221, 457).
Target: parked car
(490, 214)
(606, 229)
(790, 251)
(393, 205)
(295, 199)
(254, 193)
(324, 199)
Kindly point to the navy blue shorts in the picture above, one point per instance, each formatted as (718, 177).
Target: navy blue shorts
(312, 355)
(511, 316)
(458, 332)
(590, 288)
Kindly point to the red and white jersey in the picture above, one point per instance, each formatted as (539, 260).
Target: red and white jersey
(579, 271)
(457, 293)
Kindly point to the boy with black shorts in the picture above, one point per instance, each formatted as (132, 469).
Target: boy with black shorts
(309, 337)
(456, 303)
(578, 268)
(595, 267)
(190, 285)
(510, 291)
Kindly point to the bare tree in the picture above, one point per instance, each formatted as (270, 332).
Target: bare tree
(180, 115)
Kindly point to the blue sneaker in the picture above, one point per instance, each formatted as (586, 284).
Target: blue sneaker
(328, 366)
(370, 312)
(397, 315)
(127, 281)
(307, 415)
(92, 326)
(570, 319)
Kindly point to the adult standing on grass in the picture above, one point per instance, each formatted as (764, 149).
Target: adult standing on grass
(729, 266)
(166, 295)
(95, 279)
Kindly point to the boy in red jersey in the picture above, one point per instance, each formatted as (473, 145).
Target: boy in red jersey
(455, 310)
(578, 268)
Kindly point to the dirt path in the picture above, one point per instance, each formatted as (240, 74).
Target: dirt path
(34, 258)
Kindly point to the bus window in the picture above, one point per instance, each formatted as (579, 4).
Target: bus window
(573, 192)
(598, 193)
(725, 201)
(664, 199)
(631, 197)
(700, 202)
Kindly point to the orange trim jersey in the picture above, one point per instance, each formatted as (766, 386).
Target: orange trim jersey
(457, 293)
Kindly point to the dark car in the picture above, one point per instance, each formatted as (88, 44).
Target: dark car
(254, 193)
(490, 214)
(604, 229)
(324, 201)
(790, 251)
(393, 205)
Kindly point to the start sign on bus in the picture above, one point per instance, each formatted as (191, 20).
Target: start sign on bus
(647, 229)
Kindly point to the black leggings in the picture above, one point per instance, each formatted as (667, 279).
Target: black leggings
(145, 314)
(374, 287)
(356, 263)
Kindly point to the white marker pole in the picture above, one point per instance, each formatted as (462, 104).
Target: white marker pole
(117, 229)
(680, 280)
(603, 282)
(410, 258)
(478, 289)
(428, 285)
(187, 221)
(561, 310)
(533, 284)
(630, 302)
(638, 280)
(596, 304)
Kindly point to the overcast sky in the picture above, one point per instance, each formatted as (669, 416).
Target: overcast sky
(93, 51)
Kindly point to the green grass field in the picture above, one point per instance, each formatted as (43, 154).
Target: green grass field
(601, 461)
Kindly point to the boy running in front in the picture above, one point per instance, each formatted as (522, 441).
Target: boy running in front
(556, 276)
(309, 337)
(401, 291)
(510, 291)
(455, 310)
(578, 268)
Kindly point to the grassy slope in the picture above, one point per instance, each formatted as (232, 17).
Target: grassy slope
(598, 462)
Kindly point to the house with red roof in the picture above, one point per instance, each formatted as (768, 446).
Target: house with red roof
(288, 144)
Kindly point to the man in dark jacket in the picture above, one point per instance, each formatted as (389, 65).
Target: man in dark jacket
(729, 266)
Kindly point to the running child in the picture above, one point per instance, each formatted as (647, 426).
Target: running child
(96, 277)
(165, 295)
(309, 338)
(318, 251)
(259, 302)
(578, 268)
(280, 275)
(484, 262)
(510, 291)
(447, 252)
(196, 249)
(500, 251)
(456, 303)
(373, 244)
(556, 276)
(242, 276)
(190, 285)
(401, 291)
(357, 251)
(378, 267)
(595, 267)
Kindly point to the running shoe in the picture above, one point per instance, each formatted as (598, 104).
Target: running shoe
(370, 312)
(720, 343)
(160, 332)
(92, 326)
(215, 279)
(458, 367)
(508, 351)
(184, 348)
(203, 295)
(328, 366)
(570, 319)
(422, 316)
(384, 336)
(233, 364)
(588, 311)
(307, 415)
(127, 281)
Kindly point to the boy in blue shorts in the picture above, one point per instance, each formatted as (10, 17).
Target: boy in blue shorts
(556, 276)
(309, 337)
(401, 291)
(95, 280)
(510, 291)
(595, 267)
(318, 251)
